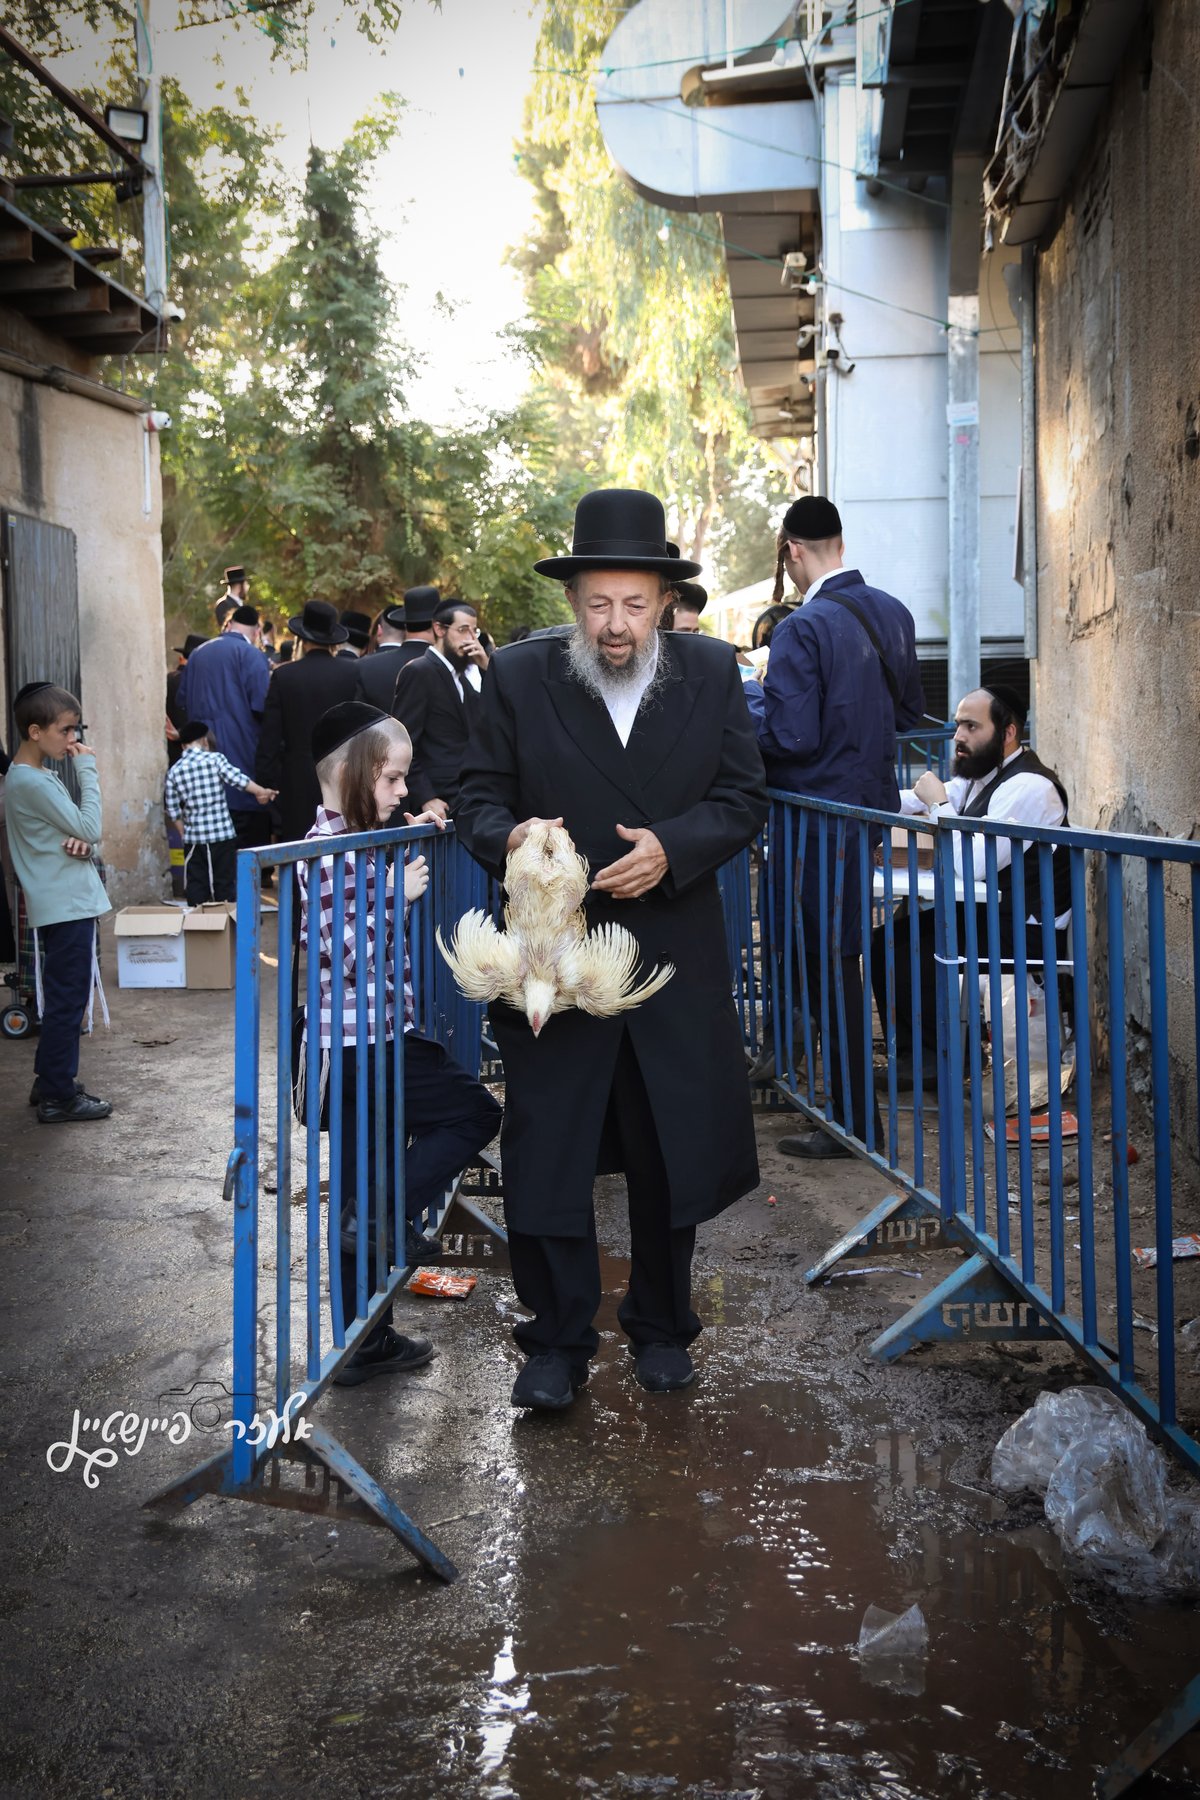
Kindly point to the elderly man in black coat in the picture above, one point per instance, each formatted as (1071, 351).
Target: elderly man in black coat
(299, 693)
(641, 743)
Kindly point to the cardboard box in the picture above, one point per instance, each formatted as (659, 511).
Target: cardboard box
(165, 946)
(900, 841)
(208, 940)
(150, 947)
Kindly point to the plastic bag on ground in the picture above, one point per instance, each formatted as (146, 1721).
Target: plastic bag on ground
(1030, 1451)
(1107, 1499)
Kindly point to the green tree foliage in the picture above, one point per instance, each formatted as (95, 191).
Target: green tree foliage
(631, 319)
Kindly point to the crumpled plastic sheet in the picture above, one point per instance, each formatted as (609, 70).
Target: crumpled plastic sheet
(892, 1649)
(1106, 1490)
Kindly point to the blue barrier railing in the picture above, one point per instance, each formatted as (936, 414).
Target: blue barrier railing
(980, 1156)
(291, 1346)
(928, 747)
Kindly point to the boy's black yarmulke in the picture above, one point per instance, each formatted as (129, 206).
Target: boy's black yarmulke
(340, 724)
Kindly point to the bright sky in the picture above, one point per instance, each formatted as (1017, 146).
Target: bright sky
(450, 198)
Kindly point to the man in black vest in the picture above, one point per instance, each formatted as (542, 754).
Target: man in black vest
(436, 699)
(993, 778)
(376, 674)
(639, 742)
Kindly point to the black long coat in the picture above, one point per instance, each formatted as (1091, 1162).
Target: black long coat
(542, 746)
(438, 720)
(299, 693)
(375, 676)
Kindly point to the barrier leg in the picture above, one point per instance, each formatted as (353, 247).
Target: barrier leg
(345, 1492)
(901, 1222)
(976, 1303)
(1182, 1716)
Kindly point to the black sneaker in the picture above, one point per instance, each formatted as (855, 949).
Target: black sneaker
(812, 1146)
(660, 1368)
(80, 1110)
(420, 1248)
(36, 1096)
(390, 1354)
(548, 1382)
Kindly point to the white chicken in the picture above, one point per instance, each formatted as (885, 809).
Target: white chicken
(546, 960)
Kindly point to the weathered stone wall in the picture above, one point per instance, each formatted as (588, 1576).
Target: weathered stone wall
(1117, 679)
(79, 463)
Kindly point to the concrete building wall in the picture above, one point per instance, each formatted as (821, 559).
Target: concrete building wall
(1117, 679)
(80, 463)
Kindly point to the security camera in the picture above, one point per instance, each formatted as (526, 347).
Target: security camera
(157, 421)
(805, 336)
(176, 315)
(794, 264)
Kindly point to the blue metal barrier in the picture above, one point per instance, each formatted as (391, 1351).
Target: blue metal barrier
(926, 748)
(267, 1062)
(962, 1151)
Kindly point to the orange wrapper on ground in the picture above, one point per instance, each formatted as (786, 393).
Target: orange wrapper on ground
(439, 1284)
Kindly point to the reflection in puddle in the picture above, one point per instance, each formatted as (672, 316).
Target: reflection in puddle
(680, 1582)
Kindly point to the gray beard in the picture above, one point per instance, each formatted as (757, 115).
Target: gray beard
(608, 684)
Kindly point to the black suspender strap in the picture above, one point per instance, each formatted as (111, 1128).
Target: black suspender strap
(893, 686)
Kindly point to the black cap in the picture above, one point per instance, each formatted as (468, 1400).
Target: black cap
(245, 615)
(1009, 699)
(31, 687)
(449, 607)
(342, 722)
(812, 519)
(193, 731)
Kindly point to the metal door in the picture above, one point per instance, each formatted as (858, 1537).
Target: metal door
(41, 607)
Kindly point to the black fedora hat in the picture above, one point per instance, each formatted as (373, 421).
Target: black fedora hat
(191, 642)
(318, 624)
(358, 624)
(618, 528)
(420, 604)
(691, 596)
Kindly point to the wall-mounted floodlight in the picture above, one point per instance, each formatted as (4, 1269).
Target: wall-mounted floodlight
(128, 123)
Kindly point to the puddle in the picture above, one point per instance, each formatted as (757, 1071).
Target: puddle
(678, 1584)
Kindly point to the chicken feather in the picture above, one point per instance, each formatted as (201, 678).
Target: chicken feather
(545, 960)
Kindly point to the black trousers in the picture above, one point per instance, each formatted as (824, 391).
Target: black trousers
(253, 831)
(448, 1118)
(66, 984)
(849, 1109)
(558, 1278)
(210, 871)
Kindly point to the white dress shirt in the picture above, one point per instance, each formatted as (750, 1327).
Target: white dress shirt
(1028, 799)
(623, 702)
(472, 673)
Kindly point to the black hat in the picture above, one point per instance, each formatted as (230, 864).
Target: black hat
(1009, 699)
(191, 642)
(420, 604)
(395, 616)
(193, 731)
(234, 575)
(245, 615)
(691, 596)
(618, 528)
(358, 625)
(812, 519)
(342, 722)
(318, 624)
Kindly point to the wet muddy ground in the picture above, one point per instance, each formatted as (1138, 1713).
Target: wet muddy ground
(659, 1595)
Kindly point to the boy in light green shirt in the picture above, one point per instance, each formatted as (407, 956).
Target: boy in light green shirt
(51, 841)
